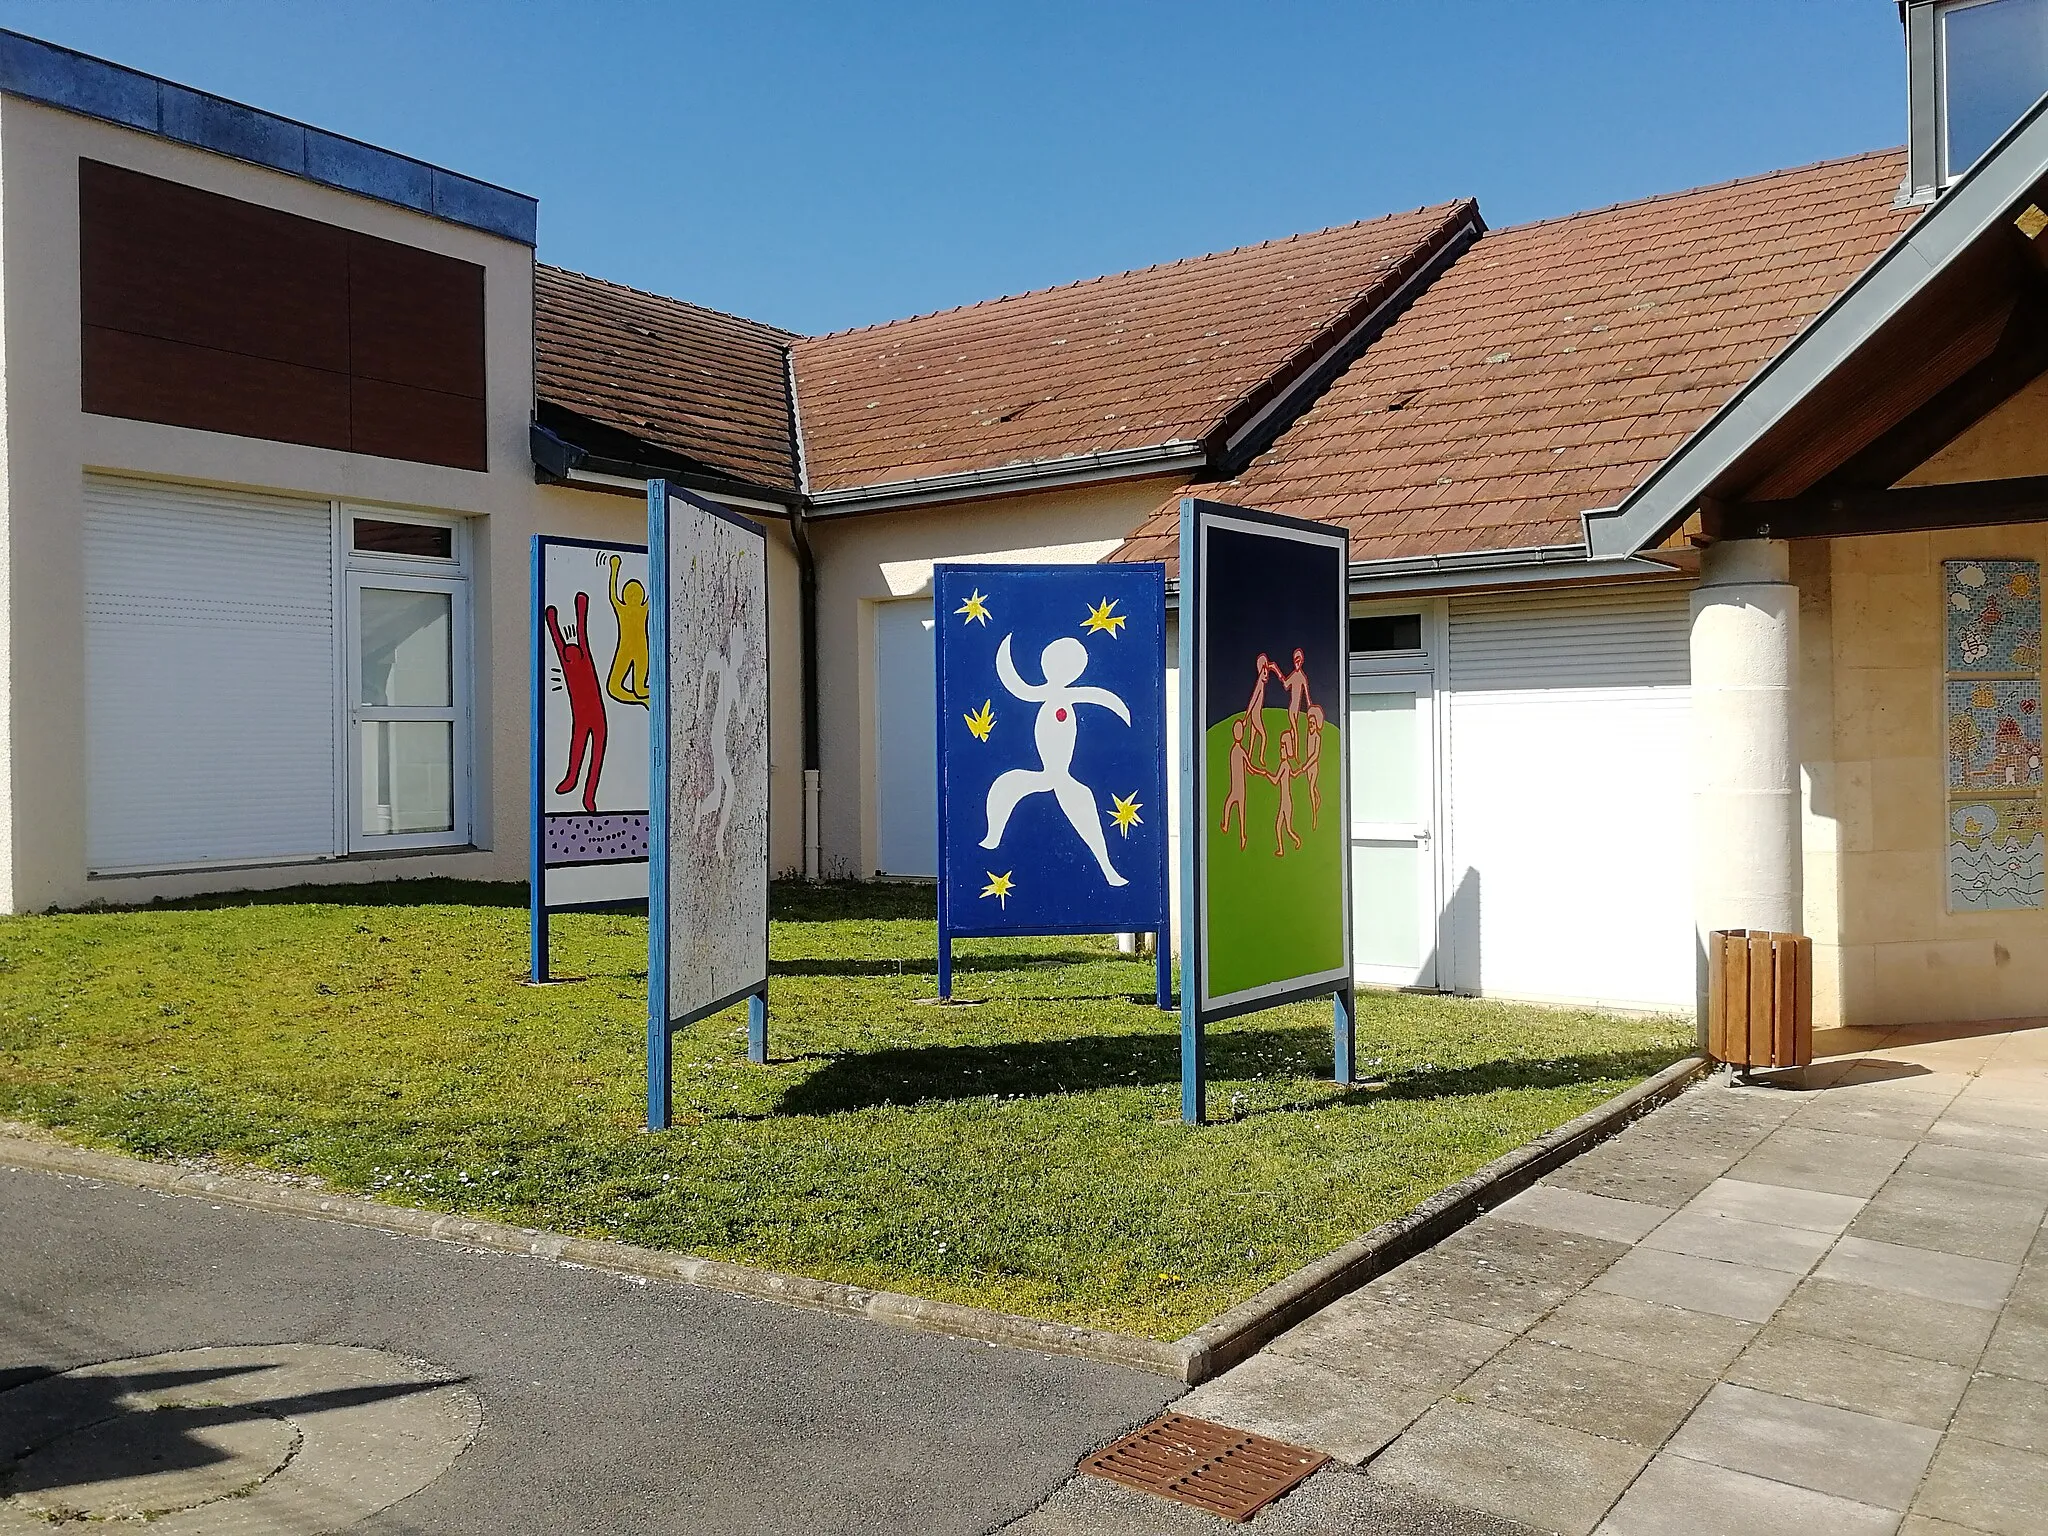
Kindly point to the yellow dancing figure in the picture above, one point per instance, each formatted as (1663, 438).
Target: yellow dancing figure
(628, 681)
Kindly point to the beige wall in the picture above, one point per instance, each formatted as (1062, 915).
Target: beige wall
(47, 446)
(888, 557)
(1887, 949)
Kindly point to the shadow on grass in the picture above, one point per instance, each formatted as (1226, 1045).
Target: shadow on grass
(1033, 1068)
(789, 901)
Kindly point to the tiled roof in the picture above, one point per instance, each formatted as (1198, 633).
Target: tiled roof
(709, 386)
(1162, 355)
(1556, 364)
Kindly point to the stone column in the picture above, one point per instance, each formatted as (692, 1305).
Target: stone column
(1745, 660)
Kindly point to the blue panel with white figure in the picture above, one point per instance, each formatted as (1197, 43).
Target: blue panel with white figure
(1052, 748)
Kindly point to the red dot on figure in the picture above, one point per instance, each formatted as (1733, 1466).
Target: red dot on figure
(1059, 714)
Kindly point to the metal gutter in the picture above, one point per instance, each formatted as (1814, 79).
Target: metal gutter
(807, 633)
(1958, 218)
(1033, 475)
(1479, 570)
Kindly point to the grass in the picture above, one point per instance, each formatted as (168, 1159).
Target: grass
(1024, 1154)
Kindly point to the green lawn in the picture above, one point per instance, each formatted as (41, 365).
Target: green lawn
(1025, 1154)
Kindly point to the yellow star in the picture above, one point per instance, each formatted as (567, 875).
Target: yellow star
(1126, 813)
(1101, 619)
(999, 886)
(975, 608)
(982, 721)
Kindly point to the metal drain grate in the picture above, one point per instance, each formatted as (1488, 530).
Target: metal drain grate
(1211, 1466)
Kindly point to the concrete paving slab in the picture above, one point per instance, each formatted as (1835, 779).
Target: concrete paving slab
(1882, 1382)
(1555, 1479)
(2018, 1347)
(2006, 1411)
(1668, 1500)
(1993, 1103)
(1364, 1337)
(1859, 1314)
(1833, 1161)
(1570, 1210)
(1499, 1274)
(1919, 1272)
(1606, 1323)
(1332, 1503)
(1706, 1235)
(1810, 1210)
(1986, 1487)
(1615, 1399)
(1810, 1445)
(1989, 1136)
(1923, 1525)
(1999, 1168)
(1699, 1285)
(1954, 1216)
(1644, 1180)
(1872, 1114)
(1307, 1404)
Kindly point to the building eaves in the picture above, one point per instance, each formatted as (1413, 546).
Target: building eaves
(60, 77)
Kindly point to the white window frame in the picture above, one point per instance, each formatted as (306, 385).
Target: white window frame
(354, 570)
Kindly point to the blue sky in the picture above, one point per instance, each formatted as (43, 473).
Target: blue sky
(826, 165)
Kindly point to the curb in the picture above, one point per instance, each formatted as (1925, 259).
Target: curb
(1209, 1350)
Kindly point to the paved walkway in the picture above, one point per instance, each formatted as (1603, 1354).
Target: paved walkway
(1817, 1307)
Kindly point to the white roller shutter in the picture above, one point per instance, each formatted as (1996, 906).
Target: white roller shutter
(210, 676)
(1569, 870)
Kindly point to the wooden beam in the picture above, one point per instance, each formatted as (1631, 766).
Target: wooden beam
(1909, 509)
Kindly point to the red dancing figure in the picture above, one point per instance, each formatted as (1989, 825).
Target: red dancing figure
(586, 702)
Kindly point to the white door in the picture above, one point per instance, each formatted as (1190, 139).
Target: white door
(906, 741)
(409, 788)
(1393, 830)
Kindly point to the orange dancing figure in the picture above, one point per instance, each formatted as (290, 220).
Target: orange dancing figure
(1255, 711)
(1296, 684)
(1312, 764)
(1240, 761)
(1284, 773)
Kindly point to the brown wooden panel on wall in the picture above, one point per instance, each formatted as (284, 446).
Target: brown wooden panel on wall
(204, 311)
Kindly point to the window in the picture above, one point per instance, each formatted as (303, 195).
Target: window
(1994, 67)
(270, 679)
(1382, 633)
(407, 705)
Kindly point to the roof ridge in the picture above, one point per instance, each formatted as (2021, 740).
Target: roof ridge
(1711, 186)
(665, 298)
(1449, 207)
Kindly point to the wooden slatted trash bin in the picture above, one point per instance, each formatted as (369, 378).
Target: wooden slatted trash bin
(1759, 998)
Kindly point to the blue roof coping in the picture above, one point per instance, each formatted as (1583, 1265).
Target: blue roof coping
(77, 82)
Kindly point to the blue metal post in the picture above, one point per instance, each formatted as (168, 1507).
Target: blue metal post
(657, 808)
(536, 826)
(1344, 1042)
(757, 1028)
(1163, 945)
(945, 955)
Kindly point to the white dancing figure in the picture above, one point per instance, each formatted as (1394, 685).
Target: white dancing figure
(1058, 702)
(722, 668)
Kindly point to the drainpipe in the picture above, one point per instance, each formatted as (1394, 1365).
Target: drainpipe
(807, 627)
(807, 623)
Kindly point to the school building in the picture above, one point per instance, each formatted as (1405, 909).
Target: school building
(1695, 542)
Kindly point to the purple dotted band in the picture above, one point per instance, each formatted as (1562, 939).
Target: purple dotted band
(596, 839)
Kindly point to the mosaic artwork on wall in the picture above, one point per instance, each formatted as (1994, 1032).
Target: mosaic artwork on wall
(1993, 734)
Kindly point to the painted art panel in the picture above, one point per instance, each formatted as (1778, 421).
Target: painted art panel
(715, 756)
(1994, 733)
(593, 750)
(1271, 653)
(1994, 615)
(1052, 747)
(1995, 854)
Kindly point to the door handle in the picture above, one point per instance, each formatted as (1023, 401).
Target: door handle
(1422, 834)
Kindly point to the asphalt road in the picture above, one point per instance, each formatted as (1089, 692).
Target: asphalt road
(609, 1406)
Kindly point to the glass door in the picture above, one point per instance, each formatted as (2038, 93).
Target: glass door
(1393, 830)
(408, 772)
